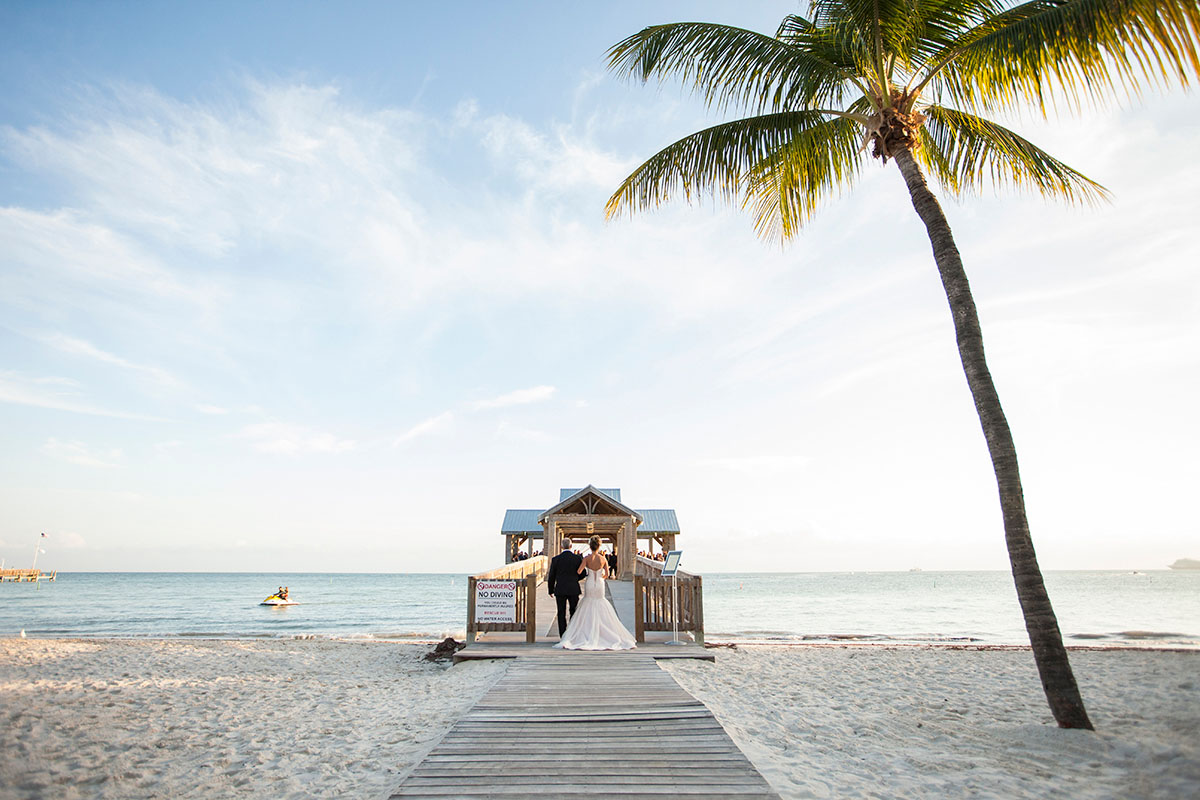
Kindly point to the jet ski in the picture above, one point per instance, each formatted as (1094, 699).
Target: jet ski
(278, 600)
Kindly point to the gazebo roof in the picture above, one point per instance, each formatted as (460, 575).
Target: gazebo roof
(565, 494)
(524, 521)
(594, 494)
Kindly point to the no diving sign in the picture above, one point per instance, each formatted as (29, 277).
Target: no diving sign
(495, 601)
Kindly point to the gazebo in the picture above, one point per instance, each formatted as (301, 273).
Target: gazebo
(582, 513)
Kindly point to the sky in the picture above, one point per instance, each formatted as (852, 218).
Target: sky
(328, 287)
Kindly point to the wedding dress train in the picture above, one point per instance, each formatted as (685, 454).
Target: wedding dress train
(595, 625)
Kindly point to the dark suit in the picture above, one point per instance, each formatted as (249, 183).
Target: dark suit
(563, 582)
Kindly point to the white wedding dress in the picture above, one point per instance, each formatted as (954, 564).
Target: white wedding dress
(595, 625)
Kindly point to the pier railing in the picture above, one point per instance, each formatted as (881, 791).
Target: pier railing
(526, 575)
(653, 609)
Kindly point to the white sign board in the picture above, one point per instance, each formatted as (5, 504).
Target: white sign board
(672, 562)
(495, 601)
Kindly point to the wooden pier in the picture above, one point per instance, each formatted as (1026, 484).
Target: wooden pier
(24, 575)
(586, 725)
(649, 619)
(574, 724)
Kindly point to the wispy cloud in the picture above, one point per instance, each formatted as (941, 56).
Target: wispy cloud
(287, 439)
(211, 410)
(76, 452)
(439, 424)
(534, 394)
(80, 347)
(59, 394)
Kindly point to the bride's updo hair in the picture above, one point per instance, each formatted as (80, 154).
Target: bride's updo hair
(594, 543)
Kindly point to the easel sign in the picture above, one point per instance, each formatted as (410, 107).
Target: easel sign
(671, 570)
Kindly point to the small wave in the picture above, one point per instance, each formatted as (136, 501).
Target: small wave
(1152, 635)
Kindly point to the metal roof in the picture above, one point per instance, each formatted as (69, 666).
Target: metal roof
(563, 494)
(655, 520)
(521, 520)
(658, 520)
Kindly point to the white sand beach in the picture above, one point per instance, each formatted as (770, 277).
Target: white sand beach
(217, 719)
(874, 722)
(315, 718)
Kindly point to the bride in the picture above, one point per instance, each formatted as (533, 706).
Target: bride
(594, 625)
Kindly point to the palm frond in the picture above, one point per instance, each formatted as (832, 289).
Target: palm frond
(933, 25)
(898, 33)
(786, 187)
(1085, 47)
(716, 161)
(964, 151)
(730, 66)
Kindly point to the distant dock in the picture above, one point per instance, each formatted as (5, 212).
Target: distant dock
(26, 575)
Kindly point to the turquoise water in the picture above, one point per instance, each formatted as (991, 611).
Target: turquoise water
(1160, 608)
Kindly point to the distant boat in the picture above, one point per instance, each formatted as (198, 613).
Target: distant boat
(277, 600)
(1186, 563)
(916, 569)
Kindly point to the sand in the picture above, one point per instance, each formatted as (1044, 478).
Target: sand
(861, 722)
(313, 718)
(219, 719)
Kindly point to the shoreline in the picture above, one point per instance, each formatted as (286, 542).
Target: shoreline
(849, 642)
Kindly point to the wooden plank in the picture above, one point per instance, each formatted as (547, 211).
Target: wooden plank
(650, 738)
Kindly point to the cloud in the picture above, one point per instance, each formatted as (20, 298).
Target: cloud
(434, 425)
(286, 439)
(214, 410)
(534, 394)
(69, 344)
(59, 394)
(76, 452)
(302, 180)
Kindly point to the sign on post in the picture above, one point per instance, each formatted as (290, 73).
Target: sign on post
(495, 601)
(672, 563)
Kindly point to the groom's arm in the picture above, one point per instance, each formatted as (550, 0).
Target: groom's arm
(550, 579)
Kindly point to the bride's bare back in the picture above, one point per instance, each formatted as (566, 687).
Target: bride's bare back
(595, 561)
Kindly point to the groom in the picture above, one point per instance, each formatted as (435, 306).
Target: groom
(563, 582)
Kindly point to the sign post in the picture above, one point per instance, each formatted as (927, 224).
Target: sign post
(670, 567)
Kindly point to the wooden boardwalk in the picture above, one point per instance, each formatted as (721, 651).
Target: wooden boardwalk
(587, 725)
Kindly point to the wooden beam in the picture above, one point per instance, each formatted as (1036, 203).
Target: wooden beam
(639, 609)
(470, 610)
(531, 582)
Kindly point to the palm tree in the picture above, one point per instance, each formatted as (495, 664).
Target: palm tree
(913, 80)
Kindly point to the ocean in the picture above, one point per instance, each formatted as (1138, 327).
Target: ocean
(1114, 609)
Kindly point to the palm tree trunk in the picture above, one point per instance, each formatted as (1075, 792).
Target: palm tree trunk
(1048, 651)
